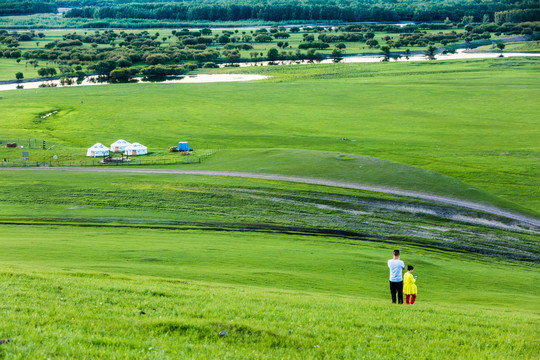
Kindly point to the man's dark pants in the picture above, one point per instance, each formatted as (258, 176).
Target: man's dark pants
(396, 288)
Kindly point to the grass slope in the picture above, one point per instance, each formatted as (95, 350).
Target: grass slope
(94, 250)
(293, 262)
(349, 168)
(183, 202)
(301, 163)
(67, 299)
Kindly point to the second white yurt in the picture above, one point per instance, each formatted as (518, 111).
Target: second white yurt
(119, 145)
(97, 150)
(136, 149)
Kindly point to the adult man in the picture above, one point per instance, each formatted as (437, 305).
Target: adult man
(396, 277)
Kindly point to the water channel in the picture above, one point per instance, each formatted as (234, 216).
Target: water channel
(209, 78)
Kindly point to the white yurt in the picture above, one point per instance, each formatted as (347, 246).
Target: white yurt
(136, 149)
(97, 150)
(119, 145)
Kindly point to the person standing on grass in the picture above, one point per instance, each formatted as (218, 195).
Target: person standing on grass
(396, 277)
(409, 287)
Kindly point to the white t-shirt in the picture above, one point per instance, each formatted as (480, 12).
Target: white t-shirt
(396, 270)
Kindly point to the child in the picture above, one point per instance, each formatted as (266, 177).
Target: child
(409, 286)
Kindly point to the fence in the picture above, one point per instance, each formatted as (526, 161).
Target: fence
(95, 162)
(203, 157)
(29, 143)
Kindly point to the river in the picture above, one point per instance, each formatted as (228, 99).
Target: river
(460, 54)
(209, 78)
(189, 79)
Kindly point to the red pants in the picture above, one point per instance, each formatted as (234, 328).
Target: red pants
(411, 296)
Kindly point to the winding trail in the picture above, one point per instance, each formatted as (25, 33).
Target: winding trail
(418, 195)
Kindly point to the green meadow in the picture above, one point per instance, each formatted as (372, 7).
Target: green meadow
(520, 46)
(187, 202)
(9, 67)
(79, 293)
(474, 121)
(155, 266)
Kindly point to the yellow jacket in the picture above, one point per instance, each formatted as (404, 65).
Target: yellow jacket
(409, 286)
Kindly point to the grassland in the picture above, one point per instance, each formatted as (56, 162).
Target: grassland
(183, 202)
(289, 270)
(452, 118)
(523, 46)
(325, 165)
(520, 46)
(76, 293)
(85, 254)
(9, 67)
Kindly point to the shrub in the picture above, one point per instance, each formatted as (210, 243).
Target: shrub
(263, 38)
(155, 59)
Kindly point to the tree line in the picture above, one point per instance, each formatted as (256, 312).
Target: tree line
(517, 16)
(348, 11)
(283, 10)
(18, 7)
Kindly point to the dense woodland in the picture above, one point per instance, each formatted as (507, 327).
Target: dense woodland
(284, 10)
(21, 7)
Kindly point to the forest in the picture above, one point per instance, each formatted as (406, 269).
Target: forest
(16, 7)
(284, 10)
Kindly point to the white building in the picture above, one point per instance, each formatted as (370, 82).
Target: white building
(97, 150)
(136, 149)
(119, 145)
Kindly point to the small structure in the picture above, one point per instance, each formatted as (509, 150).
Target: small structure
(136, 149)
(97, 150)
(183, 146)
(119, 146)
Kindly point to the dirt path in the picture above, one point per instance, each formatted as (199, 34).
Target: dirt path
(418, 195)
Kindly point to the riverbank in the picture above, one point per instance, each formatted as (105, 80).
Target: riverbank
(94, 80)
(460, 54)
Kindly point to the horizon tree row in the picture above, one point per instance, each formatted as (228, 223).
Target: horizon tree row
(348, 11)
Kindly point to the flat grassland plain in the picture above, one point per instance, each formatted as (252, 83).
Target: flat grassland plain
(156, 265)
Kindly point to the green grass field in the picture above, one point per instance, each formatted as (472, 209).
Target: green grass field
(520, 46)
(320, 298)
(524, 46)
(184, 202)
(9, 67)
(453, 118)
(288, 270)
